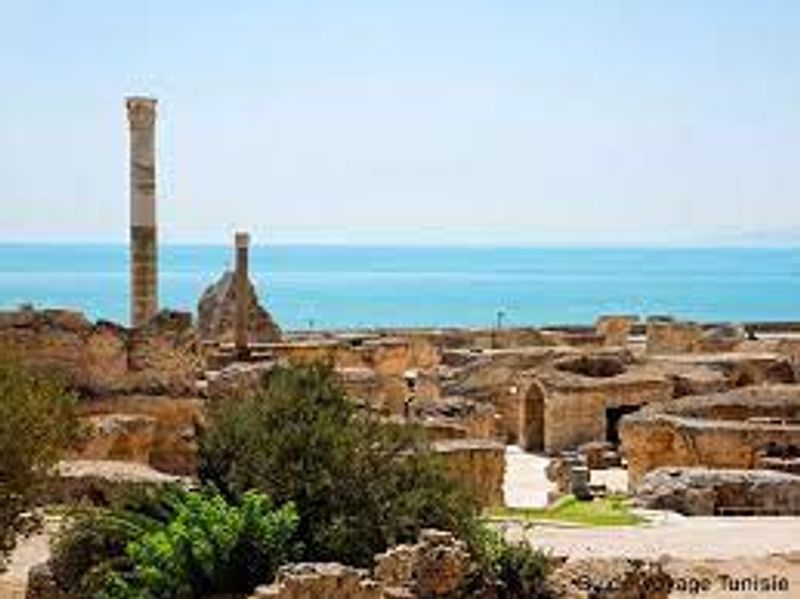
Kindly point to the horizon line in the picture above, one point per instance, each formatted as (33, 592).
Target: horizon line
(404, 244)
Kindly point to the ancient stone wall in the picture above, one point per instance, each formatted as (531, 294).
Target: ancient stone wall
(383, 372)
(104, 358)
(455, 418)
(672, 337)
(216, 314)
(575, 408)
(704, 492)
(156, 430)
(436, 567)
(615, 330)
(478, 464)
(727, 430)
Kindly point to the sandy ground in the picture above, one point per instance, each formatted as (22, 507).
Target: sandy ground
(30, 551)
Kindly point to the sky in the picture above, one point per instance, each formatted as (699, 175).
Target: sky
(407, 121)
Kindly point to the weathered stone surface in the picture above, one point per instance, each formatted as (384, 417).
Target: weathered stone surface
(574, 408)
(478, 464)
(615, 330)
(704, 492)
(126, 437)
(739, 369)
(726, 430)
(610, 579)
(328, 580)
(722, 338)
(456, 417)
(103, 482)
(156, 430)
(672, 337)
(239, 380)
(598, 454)
(163, 355)
(437, 566)
(102, 358)
(216, 310)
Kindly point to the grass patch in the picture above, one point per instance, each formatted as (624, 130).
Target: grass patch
(613, 510)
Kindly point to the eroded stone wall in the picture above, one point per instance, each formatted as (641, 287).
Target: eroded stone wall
(727, 431)
(104, 358)
(478, 464)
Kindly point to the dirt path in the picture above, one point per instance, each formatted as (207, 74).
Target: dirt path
(673, 535)
(29, 552)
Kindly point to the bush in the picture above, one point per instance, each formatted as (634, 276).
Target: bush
(36, 424)
(359, 485)
(94, 545)
(510, 570)
(179, 545)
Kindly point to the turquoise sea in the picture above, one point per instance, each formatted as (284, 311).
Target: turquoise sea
(353, 286)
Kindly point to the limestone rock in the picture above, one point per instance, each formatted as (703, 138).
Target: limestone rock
(216, 311)
(239, 380)
(103, 482)
(328, 580)
(615, 330)
(163, 355)
(723, 338)
(160, 431)
(704, 492)
(726, 430)
(103, 358)
(672, 337)
(620, 578)
(437, 566)
(478, 464)
(127, 437)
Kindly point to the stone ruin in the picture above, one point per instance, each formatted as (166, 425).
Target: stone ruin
(436, 567)
(704, 492)
(216, 314)
(100, 359)
(732, 430)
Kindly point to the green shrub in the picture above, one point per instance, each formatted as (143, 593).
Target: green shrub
(510, 570)
(94, 545)
(359, 485)
(180, 545)
(36, 424)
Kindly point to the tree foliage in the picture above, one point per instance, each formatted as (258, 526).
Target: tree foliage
(360, 485)
(36, 423)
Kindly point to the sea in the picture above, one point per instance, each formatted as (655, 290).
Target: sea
(314, 287)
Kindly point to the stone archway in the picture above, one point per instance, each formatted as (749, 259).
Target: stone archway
(531, 421)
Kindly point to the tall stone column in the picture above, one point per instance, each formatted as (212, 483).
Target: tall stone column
(242, 288)
(144, 246)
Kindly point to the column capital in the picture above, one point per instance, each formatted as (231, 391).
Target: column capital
(141, 111)
(241, 239)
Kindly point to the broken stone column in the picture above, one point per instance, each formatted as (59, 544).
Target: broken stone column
(144, 251)
(242, 288)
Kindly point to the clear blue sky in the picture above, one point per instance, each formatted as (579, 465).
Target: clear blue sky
(418, 121)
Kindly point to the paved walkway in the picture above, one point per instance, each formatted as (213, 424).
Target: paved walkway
(525, 483)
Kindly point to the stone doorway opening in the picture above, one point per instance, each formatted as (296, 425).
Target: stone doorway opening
(613, 416)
